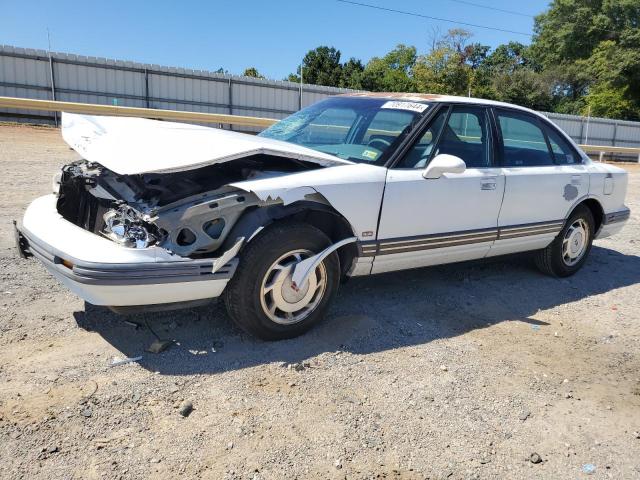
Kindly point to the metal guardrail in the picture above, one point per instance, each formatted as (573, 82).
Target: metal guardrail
(601, 150)
(96, 109)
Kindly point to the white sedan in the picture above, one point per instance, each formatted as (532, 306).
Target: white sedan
(163, 215)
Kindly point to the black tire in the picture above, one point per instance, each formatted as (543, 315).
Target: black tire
(242, 296)
(551, 261)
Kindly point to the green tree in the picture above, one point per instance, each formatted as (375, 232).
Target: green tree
(441, 71)
(572, 29)
(391, 73)
(509, 74)
(293, 77)
(320, 66)
(252, 72)
(509, 57)
(605, 100)
(448, 67)
(569, 83)
(600, 39)
(352, 74)
(584, 57)
(614, 72)
(475, 55)
(523, 87)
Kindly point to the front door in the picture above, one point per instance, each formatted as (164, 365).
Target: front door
(453, 218)
(544, 180)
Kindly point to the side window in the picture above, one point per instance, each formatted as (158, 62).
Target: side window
(564, 154)
(419, 155)
(385, 127)
(524, 142)
(330, 127)
(466, 135)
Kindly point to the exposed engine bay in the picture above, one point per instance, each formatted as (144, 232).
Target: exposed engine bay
(189, 213)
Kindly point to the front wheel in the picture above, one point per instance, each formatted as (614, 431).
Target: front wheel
(260, 297)
(568, 252)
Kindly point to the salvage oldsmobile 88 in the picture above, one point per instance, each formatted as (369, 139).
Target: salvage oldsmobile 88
(167, 215)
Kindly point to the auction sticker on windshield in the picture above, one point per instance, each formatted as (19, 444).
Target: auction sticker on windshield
(412, 106)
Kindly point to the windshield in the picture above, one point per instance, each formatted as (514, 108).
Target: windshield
(362, 130)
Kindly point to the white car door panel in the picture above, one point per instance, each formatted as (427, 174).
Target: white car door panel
(447, 219)
(536, 202)
(539, 194)
(429, 222)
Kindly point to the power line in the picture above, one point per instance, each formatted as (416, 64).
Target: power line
(420, 15)
(593, 27)
(479, 5)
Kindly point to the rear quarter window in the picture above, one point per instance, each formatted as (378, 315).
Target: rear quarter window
(563, 152)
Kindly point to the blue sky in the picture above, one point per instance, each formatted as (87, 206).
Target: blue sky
(269, 35)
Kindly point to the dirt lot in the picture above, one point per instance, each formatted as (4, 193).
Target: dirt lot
(453, 372)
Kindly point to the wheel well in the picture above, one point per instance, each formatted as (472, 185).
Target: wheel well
(322, 216)
(596, 210)
(334, 226)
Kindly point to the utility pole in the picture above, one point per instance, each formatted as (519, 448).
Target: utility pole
(301, 82)
(586, 133)
(53, 82)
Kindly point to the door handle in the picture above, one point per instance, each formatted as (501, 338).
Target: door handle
(488, 183)
(576, 179)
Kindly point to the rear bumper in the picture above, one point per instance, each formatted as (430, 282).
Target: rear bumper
(105, 273)
(613, 222)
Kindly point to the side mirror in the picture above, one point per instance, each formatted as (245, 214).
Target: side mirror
(444, 163)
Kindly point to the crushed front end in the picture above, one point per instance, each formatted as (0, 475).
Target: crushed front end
(133, 240)
(145, 239)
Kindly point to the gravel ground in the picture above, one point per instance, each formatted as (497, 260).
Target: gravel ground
(474, 370)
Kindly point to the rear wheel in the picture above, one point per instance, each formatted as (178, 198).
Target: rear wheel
(260, 297)
(568, 252)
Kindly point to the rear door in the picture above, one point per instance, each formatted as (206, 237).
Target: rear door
(544, 179)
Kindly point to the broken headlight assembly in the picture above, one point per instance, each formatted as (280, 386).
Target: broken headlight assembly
(125, 226)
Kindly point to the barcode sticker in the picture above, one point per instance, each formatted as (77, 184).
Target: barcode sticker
(411, 106)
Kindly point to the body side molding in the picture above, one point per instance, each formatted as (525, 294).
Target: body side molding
(452, 239)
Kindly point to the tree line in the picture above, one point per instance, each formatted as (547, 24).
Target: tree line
(584, 57)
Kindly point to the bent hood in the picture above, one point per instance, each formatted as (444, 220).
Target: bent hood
(127, 145)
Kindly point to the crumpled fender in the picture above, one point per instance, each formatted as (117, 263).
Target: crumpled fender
(354, 191)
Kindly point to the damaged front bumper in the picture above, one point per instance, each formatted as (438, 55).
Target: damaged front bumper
(105, 273)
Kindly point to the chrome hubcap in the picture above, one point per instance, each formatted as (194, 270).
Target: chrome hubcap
(280, 301)
(575, 242)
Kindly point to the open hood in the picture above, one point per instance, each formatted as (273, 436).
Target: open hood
(128, 146)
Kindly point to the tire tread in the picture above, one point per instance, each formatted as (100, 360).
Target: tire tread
(549, 259)
(235, 296)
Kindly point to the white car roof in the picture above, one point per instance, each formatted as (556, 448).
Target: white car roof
(436, 98)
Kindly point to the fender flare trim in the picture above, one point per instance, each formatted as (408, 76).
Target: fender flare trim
(303, 269)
